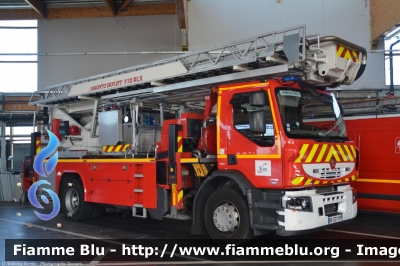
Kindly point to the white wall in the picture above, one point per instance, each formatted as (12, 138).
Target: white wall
(214, 22)
(122, 34)
(211, 22)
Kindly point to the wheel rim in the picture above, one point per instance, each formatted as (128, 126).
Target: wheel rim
(226, 217)
(72, 200)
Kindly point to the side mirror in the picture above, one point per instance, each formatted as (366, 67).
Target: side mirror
(257, 99)
(257, 122)
(341, 108)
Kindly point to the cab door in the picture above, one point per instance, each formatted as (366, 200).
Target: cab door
(253, 141)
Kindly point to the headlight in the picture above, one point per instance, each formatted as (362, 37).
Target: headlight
(354, 194)
(299, 203)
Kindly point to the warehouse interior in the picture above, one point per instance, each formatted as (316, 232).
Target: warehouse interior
(84, 41)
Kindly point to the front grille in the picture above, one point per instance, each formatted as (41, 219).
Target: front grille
(329, 173)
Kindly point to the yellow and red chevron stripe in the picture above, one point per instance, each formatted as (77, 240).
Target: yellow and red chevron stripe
(180, 143)
(177, 197)
(37, 146)
(116, 148)
(347, 54)
(304, 181)
(179, 204)
(322, 153)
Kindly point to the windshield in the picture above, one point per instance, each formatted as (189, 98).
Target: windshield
(310, 114)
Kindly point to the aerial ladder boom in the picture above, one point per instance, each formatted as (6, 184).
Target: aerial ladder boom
(316, 60)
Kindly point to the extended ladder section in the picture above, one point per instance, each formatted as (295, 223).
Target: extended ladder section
(373, 106)
(321, 62)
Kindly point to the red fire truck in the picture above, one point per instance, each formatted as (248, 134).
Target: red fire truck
(378, 184)
(219, 136)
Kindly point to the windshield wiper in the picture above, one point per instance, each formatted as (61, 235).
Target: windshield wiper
(321, 138)
(309, 136)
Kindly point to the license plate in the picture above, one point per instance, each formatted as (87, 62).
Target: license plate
(335, 219)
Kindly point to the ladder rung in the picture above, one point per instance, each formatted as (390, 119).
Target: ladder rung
(138, 205)
(137, 175)
(138, 190)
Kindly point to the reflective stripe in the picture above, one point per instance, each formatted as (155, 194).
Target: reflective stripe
(258, 156)
(311, 155)
(342, 153)
(379, 181)
(173, 187)
(180, 195)
(218, 125)
(189, 160)
(297, 180)
(333, 152)
(322, 152)
(348, 152)
(302, 152)
(277, 134)
(347, 54)
(308, 182)
(354, 151)
(180, 146)
(116, 148)
(257, 84)
(37, 146)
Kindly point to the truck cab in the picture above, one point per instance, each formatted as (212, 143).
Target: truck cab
(296, 173)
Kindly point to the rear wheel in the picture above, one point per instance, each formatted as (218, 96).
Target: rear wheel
(226, 217)
(72, 200)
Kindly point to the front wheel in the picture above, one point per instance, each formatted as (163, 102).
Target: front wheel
(226, 217)
(72, 200)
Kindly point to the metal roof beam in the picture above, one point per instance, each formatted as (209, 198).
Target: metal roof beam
(88, 12)
(112, 6)
(182, 11)
(38, 6)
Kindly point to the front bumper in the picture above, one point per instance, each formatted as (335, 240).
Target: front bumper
(295, 222)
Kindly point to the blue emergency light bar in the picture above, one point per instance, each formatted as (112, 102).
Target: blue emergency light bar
(291, 78)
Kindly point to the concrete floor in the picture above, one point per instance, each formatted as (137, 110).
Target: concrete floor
(114, 226)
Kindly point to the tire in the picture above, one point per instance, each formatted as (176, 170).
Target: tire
(72, 204)
(98, 211)
(226, 217)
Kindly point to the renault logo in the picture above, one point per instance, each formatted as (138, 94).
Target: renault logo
(332, 162)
